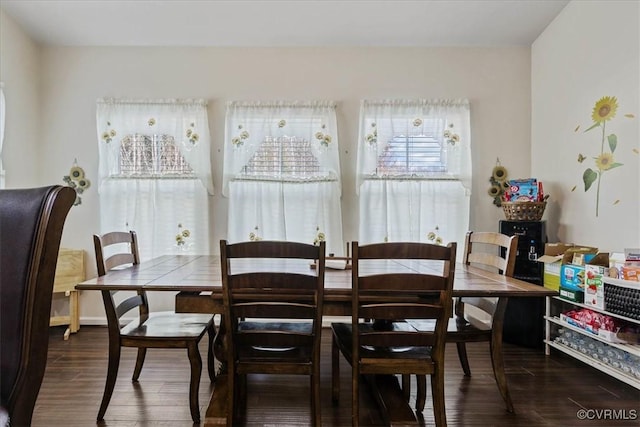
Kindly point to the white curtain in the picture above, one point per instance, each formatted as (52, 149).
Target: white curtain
(418, 205)
(2, 118)
(165, 204)
(300, 203)
(185, 120)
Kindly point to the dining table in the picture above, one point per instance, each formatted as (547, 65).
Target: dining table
(197, 282)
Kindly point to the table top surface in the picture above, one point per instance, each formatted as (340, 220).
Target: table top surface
(202, 273)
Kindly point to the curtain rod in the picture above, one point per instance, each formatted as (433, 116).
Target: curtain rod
(168, 101)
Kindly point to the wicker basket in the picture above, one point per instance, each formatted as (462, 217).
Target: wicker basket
(524, 211)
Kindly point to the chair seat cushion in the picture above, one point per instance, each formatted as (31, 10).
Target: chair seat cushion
(458, 329)
(169, 325)
(343, 332)
(272, 354)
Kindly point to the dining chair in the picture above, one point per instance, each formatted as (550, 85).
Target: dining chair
(273, 315)
(383, 344)
(31, 224)
(149, 329)
(479, 319)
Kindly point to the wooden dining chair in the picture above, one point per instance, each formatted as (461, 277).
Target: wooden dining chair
(148, 330)
(273, 315)
(31, 223)
(386, 345)
(481, 319)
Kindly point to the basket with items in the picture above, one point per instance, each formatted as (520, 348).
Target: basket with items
(524, 200)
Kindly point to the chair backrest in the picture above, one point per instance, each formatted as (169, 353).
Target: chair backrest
(272, 280)
(126, 250)
(123, 250)
(31, 223)
(491, 249)
(387, 291)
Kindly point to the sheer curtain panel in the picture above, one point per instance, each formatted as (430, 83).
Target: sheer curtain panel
(414, 170)
(282, 172)
(155, 173)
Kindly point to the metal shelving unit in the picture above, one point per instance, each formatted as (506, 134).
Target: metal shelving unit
(553, 322)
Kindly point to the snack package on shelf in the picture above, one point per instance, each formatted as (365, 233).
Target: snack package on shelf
(606, 327)
(524, 190)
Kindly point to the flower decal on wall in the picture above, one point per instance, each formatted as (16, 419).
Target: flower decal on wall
(434, 237)
(372, 137)
(320, 237)
(151, 121)
(282, 123)
(450, 136)
(243, 135)
(417, 122)
(192, 134)
(604, 110)
(253, 236)
(77, 181)
(499, 183)
(109, 134)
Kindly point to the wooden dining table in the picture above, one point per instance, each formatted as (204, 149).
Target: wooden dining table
(198, 282)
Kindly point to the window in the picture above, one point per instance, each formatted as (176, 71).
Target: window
(155, 173)
(282, 172)
(414, 170)
(285, 157)
(152, 156)
(408, 155)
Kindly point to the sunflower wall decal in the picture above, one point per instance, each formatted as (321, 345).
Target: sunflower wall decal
(604, 110)
(77, 180)
(499, 183)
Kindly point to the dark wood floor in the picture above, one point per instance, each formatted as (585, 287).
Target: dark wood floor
(547, 391)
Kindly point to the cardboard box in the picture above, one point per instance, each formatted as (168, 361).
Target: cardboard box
(594, 286)
(556, 255)
(572, 274)
(552, 260)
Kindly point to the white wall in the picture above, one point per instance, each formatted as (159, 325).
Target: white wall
(591, 50)
(20, 72)
(495, 80)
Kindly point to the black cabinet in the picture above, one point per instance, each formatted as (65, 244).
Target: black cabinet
(524, 318)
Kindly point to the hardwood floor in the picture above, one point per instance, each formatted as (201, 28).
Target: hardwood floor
(547, 391)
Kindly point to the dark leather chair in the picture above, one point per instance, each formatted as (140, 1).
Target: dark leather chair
(31, 222)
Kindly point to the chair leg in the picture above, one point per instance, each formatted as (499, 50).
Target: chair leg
(497, 362)
(112, 375)
(231, 396)
(406, 386)
(241, 397)
(421, 394)
(335, 370)
(211, 359)
(437, 391)
(194, 384)
(142, 352)
(464, 361)
(355, 395)
(316, 414)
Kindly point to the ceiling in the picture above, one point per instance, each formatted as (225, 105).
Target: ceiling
(283, 23)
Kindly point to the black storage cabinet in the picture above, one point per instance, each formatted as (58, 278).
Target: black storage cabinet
(524, 318)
